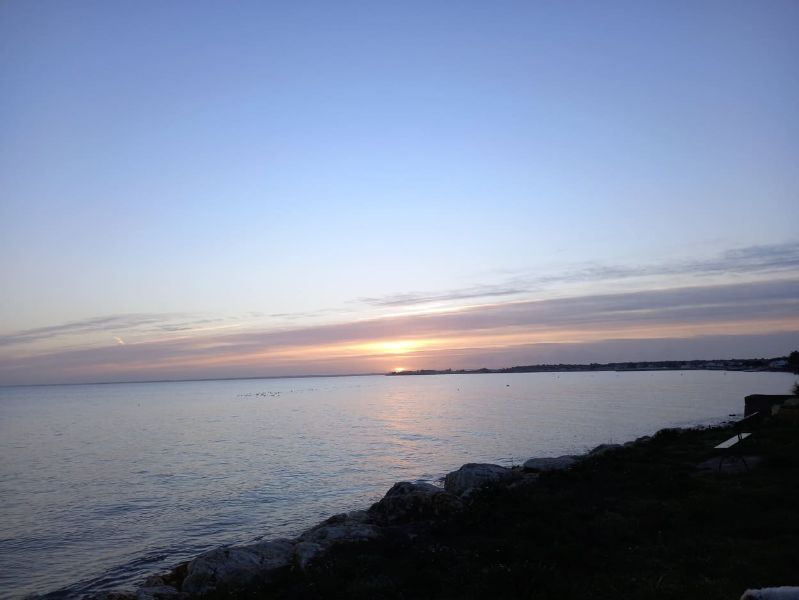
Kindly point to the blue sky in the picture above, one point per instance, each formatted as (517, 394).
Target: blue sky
(218, 167)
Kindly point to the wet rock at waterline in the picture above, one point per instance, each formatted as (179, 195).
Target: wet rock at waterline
(475, 475)
(407, 501)
(556, 463)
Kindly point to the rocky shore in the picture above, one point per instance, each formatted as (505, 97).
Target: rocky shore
(405, 509)
(645, 519)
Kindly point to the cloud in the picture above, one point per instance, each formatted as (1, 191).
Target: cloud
(106, 323)
(508, 330)
(167, 322)
(749, 260)
(411, 298)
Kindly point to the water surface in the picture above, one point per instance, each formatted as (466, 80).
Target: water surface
(101, 485)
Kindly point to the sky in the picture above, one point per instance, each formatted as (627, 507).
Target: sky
(224, 189)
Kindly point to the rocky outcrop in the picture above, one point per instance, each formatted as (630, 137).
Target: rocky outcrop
(473, 476)
(160, 592)
(237, 567)
(307, 552)
(406, 502)
(604, 449)
(556, 463)
(344, 527)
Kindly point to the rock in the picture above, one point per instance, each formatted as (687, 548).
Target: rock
(98, 596)
(603, 449)
(526, 480)
(306, 552)
(359, 516)
(341, 528)
(159, 592)
(154, 580)
(407, 501)
(474, 475)
(237, 567)
(558, 463)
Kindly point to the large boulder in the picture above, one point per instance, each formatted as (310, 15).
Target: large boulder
(344, 527)
(237, 567)
(475, 475)
(406, 502)
(306, 552)
(604, 449)
(555, 463)
(159, 592)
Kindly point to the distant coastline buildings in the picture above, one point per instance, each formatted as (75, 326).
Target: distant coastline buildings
(789, 364)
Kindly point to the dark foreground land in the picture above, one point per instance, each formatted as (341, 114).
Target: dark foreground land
(638, 522)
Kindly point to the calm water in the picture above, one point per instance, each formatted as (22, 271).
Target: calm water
(103, 484)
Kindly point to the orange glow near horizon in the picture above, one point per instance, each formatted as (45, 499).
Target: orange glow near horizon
(394, 346)
(378, 354)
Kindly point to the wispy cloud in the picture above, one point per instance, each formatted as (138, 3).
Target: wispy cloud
(741, 261)
(508, 329)
(106, 323)
(473, 292)
(163, 322)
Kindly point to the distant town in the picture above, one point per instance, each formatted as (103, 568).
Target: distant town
(785, 364)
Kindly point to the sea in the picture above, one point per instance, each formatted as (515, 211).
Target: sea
(102, 485)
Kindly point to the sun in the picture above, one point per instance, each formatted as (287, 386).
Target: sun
(398, 346)
(399, 369)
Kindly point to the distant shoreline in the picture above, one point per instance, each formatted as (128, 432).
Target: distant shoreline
(780, 364)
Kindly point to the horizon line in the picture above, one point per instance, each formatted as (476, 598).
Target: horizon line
(494, 371)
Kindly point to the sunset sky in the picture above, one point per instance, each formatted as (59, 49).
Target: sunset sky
(223, 189)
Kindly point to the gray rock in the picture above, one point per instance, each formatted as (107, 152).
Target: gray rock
(237, 567)
(603, 449)
(359, 516)
(474, 475)
(526, 480)
(159, 592)
(557, 463)
(154, 581)
(306, 552)
(407, 501)
(341, 528)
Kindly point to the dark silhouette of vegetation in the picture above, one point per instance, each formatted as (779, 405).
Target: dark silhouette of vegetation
(780, 363)
(793, 361)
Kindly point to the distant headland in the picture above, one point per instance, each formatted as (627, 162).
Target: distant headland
(784, 364)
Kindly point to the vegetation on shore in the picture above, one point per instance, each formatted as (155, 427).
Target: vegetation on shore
(639, 522)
